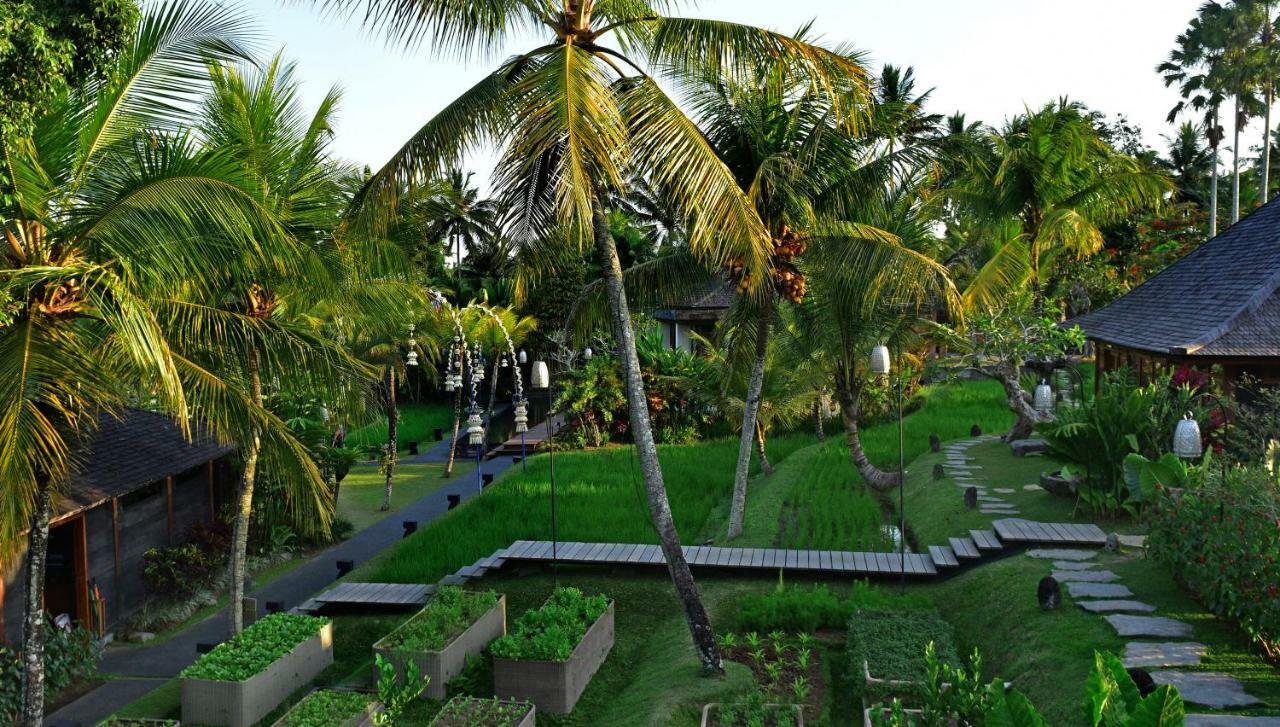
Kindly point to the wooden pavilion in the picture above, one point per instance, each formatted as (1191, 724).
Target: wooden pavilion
(1216, 309)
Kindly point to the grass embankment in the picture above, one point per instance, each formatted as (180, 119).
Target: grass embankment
(418, 422)
(361, 494)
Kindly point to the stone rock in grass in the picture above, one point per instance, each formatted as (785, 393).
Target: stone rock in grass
(1112, 605)
(975, 431)
(1061, 553)
(1113, 543)
(1024, 447)
(1086, 576)
(971, 497)
(1142, 680)
(1098, 590)
(1031, 488)
(1072, 565)
(1177, 653)
(1049, 593)
(935, 443)
(939, 472)
(1211, 689)
(1005, 490)
(1156, 626)
(1055, 484)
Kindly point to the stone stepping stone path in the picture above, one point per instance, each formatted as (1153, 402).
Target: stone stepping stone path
(1098, 590)
(1113, 605)
(1149, 626)
(1031, 488)
(1072, 565)
(1085, 576)
(1229, 720)
(965, 473)
(1144, 655)
(1062, 554)
(1206, 688)
(1004, 490)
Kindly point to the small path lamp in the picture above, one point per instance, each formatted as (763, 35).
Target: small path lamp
(1043, 398)
(880, 367)
(1187, 442)
(540, 378)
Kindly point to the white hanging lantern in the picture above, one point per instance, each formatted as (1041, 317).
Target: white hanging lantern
(448, 381)
(540, 377)
(587, 353)
(475, 428)
(880, 360)
(524, 357)
(505, 362)
(1186, 438)
(412, 359)
(1044, 397)
(522, 417)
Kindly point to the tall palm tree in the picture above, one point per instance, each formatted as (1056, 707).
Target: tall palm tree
(103, 207)
(1053, 173)
(459, 217)
(576, 119)
(1188, 161)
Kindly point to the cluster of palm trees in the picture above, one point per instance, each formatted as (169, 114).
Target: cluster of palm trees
(1227, 61)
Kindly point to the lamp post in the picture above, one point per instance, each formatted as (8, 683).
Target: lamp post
(540, 378)
(1187, 443)
(881, 367)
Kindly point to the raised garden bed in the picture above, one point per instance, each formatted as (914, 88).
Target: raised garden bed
(889, 644)
(440, 638)
(245, 678)
(474, 712)
(868, 714)
(787, 669)
(114, 722)
(770, 715)
(550, 656)
(331, 708)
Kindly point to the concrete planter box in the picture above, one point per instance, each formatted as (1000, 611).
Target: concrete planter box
(363, 719)
(447, 719)
(448, 662)
(139, 723)
(244, 703)
(866, 714)
(709, 710)
(1056, 484)
(555, 686)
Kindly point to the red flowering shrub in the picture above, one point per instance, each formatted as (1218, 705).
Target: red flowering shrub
(1223, 543)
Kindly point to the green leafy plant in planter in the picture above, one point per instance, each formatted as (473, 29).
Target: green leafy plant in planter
(551, 633)
(325, 708)
(256, 648)
(475, 712)
(754, 710)
(394, 694)
(891, 642)
(450, 612)
(138, 723)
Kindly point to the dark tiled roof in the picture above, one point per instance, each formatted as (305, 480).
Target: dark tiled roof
(131, 452)
(1218, 300)
(709, 302)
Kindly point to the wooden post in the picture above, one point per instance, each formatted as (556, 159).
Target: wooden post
(81, 554)
(168, 495)
(115, 531)
(213, 507)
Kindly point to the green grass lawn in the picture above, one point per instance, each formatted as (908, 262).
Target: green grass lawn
(418, 422)
(360, 497)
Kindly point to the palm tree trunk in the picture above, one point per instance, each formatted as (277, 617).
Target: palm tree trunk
(236, 568)
(1213, 180)
(738, 508)
(764, 459)
(1266, 148)
(850, 397)
(33, 621)
(817, 422)
(393, 437)
(493, 394)
(647, 451)
(457, 420)
(1235, 169)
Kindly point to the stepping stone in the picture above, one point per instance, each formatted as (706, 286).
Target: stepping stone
(1210, 689)
(1061, 553)
(1157, 626)
(1109, 605)
(1099, 590)
(999, 511)
(1005, 490)
(1031, 488)
(1072, 565)
(1143, 655)
(992, 500)
(1086, 576)
(1229, 720)
(1133, 541)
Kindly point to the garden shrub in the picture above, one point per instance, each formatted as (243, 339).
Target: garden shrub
(326, 707)
(450, 612)
(551, 633)
(255, 648)
(69, 656)
(892, 641)
(810, 608)
(178, 572)
(1222, 541)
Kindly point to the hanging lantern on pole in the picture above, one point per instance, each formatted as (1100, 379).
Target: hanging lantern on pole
(1044, 397)
(540, 377)
(1186, 438)
(523, 357)
(522, 416)
(475, 427)
(880, 360)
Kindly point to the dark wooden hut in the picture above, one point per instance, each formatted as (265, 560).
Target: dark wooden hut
(140, 485)
(1217, 308)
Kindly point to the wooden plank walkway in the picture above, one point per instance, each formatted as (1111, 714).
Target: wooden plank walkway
(533, 439)
(375, 594)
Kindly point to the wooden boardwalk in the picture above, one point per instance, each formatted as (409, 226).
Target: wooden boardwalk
(533, 439)
(375, 594)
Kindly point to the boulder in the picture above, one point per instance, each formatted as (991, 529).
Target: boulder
(971, 497)
(938, 472)
(1024, 447)
(975, 431)
(1058, 485)
(1049, 593)
(935, 444)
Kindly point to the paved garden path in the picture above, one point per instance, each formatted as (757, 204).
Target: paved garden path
(966, 473)
(139, 669)
(1167, 649)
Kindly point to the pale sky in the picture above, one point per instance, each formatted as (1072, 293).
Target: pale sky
(987, 58)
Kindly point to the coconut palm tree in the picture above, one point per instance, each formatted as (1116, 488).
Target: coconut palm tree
(1053, 173)
(576, 118)
(104, 207)
(1188, 161)
(459, 217)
